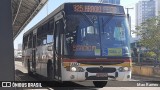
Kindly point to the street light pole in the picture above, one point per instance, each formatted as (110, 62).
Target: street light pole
(139, 57)
(129, 19)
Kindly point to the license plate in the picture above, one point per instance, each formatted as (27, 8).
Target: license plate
(101, 75)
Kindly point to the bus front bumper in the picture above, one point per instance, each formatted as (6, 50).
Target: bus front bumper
(93, 76)
(118, 76)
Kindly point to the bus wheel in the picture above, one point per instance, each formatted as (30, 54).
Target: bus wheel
(99, 83)
(29, 70)
(49, 70)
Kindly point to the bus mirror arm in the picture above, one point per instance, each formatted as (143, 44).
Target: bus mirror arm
(50, 48)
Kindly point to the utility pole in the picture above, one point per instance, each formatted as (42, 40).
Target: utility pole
(129, 19)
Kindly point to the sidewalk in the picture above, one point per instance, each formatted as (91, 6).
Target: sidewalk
(145, 78)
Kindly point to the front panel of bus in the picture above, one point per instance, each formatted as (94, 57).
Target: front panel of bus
(96, 43)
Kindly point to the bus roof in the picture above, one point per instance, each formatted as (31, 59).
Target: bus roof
(57, 10)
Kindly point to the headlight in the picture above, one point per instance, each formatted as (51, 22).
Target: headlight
(126, 68)
(123, 69)
(73, 69)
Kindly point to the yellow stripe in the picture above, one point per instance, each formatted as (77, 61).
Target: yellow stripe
(125, 64)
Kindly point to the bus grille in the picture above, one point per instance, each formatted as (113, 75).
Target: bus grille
(101, 70)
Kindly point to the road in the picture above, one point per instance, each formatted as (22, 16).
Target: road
(21, 75)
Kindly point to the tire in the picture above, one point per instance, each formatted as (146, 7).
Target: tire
(49, 70)
(99, 84)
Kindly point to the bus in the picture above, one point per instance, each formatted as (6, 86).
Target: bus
(80, 42)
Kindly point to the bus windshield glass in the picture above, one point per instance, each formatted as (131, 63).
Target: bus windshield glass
(96, 35)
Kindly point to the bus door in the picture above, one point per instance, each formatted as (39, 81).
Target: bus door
(34, 51)
(58, 46)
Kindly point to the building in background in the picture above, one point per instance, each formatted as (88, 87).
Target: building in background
(110, 1)
(18, 52)
(19, 46)
(157, 7)
(145, 9)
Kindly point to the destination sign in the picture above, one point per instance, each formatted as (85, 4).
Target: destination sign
(98, 8)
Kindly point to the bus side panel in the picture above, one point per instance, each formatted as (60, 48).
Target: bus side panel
(42, 57)
(27, 55)
(41, 60)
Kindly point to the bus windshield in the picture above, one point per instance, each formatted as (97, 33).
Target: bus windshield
(96, 35)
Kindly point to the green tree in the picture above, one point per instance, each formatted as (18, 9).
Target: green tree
(149, 54)
(149, 31)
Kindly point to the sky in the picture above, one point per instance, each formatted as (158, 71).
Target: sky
(51, 5)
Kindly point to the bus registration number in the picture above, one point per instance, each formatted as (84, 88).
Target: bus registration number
(101, 75)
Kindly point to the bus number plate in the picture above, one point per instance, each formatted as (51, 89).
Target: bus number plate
(101, 75)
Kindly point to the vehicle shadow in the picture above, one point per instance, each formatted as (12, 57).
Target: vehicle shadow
(50, 85)
(20, 76)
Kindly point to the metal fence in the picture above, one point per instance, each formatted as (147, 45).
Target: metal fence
(145, 61)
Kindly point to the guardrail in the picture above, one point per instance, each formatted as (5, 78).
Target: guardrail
(146, 70)
(145, 61)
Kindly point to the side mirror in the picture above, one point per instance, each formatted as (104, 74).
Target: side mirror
(50, 48)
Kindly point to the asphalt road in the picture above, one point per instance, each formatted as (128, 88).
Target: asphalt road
(21, 75)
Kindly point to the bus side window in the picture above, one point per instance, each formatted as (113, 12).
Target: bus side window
(49, 38)
(42, 35)
(51, 25)
(25, 40)
(30, 40)
(50, 32)
(39, 36)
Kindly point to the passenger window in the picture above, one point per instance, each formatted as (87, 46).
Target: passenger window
(42, 34)
(49, 38)
(25, 42)
(90, 30)
(45, 33)
(30, 40)
(50, 32)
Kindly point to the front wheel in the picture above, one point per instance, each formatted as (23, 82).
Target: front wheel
(99, 83)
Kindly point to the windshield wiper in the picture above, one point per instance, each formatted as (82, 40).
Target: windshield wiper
(87, 18)
(106, 22)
